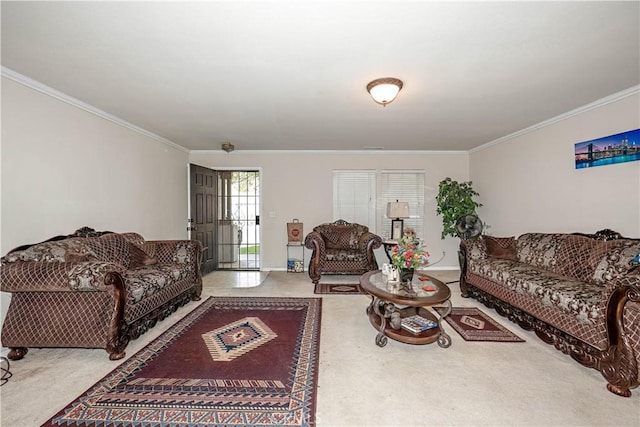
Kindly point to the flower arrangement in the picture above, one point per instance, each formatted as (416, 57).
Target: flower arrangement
(407, 254)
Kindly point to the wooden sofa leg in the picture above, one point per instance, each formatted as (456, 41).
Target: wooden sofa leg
(620, 391)
(17, 353)
(116, 355)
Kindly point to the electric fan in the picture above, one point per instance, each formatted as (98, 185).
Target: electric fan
(468, 226)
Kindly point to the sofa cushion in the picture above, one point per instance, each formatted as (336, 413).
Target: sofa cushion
(501, 247)
(339, 237)
(571, 296)
(144, 281)
(578, 256)
(475, 248)
(540, 249)
(67, 250)
(617, 261)
(344, 255)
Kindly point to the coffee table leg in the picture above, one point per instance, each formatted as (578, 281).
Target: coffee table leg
(381, 338)
(444, 340)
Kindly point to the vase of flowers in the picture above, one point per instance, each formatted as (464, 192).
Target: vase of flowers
(407, 256)
(406, 275)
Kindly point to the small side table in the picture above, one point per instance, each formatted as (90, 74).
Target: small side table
(295, 265)
(388, 245)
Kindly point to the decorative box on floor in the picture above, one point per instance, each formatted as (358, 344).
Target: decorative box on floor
(295, 265)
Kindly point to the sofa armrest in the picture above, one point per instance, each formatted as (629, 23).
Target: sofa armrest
(620, 368)
(474, 248)
(315, 241)
(370, 241)
(35, 276)
(616, 294)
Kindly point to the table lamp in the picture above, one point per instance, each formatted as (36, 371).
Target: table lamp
(397, 211)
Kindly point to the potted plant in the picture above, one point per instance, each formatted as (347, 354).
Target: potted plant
(454, 200)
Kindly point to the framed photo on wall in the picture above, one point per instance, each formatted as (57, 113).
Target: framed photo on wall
(608, 150)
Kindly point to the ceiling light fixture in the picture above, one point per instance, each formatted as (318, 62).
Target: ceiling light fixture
(384, 90)
(228, 147)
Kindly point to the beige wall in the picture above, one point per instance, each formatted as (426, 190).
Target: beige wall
(300, 185)
(63, 168)
(529, 183)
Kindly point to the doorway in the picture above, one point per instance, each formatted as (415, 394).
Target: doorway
(225, 217)
(238, 200)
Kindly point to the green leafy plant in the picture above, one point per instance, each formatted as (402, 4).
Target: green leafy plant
(454, 200)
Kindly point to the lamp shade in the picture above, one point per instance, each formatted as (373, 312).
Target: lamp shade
(384, 90)
(397, 210)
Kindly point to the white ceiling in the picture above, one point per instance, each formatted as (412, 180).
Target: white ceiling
(273, 75)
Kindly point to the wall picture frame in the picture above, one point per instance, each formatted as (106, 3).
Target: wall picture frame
(609, 150)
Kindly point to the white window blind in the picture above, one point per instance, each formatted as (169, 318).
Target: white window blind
(354, 197)
(404, 186)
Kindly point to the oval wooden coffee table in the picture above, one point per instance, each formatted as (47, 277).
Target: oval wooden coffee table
(391, 302)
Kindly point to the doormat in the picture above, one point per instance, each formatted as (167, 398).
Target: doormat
(338, 288)
(474, 325)
(231, 361)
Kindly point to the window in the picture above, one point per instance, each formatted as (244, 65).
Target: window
(404, 186)
(355, 198)
(354, 195)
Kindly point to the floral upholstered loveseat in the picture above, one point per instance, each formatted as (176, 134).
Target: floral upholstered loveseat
(341, 247)
(94, 289)
(580, 293)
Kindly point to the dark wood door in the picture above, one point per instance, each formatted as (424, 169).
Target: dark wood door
(202, 224)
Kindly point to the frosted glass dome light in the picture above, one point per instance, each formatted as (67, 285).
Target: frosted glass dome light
(384, 90)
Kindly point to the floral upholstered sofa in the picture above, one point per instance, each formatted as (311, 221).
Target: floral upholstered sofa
(580, 293)
(94, 289)
(341, 247)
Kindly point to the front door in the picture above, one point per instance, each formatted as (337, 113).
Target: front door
(202, 222)
(238, 220)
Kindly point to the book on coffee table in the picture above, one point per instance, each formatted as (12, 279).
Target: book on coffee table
(417, 324)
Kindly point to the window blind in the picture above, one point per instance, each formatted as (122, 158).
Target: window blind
(404, 186)
(354, 195)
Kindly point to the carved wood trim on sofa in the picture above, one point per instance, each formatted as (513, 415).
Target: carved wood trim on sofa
(617, 362)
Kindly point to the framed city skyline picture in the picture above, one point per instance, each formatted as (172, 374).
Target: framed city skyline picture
(608, 150)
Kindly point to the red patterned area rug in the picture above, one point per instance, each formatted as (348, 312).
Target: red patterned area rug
(231, 361)
(474, 325)
(337, 288)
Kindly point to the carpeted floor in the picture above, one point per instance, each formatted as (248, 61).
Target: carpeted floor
(232, 361)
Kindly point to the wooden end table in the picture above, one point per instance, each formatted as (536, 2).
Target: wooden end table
(391, 302)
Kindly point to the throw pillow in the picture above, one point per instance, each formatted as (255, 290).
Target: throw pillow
(139, 257)
(501, 247)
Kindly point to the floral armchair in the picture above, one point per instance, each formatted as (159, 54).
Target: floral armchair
(341, 247)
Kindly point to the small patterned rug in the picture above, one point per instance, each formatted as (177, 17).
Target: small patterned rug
(230, 362)
(474, 325)
(338, 288)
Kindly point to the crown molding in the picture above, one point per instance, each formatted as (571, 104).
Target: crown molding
(42, 88)
(596, 104)
(334, 152)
